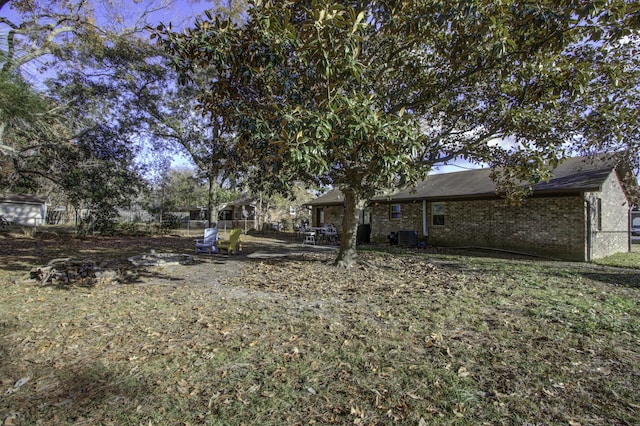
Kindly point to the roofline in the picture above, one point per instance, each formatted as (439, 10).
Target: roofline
(312, 204)
(485, 196)
(23, 199)
(471, 197)
(594, 180)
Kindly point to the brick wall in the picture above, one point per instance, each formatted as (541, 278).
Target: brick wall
(332, 214)
(382, 224)
(552, 226)
(610, 224)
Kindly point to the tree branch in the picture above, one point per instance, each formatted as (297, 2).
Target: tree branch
(14, 63)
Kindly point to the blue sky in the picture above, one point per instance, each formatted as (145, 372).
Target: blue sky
(180, 14)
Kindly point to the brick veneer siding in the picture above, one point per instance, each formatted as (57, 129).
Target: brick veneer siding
(613, 235)
(552, 226)
(332, 214)
(382, 224)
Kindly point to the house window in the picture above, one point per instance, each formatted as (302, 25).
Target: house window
(599, 213)
(437, 214)
(394, 211)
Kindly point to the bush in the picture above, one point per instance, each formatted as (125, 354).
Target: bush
(287, 224)
(170, 221)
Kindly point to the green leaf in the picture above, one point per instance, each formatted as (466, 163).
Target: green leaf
(359, 19)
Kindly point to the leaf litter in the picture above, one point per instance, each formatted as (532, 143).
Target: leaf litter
(422, 338)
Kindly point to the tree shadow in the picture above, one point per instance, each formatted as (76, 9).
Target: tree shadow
(45, 393)
(69, 394)
(23, 253)
(623, 278)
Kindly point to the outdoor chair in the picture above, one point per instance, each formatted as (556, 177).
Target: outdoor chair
(309, 238)
(233, 245)
(209, 244)
(331, 234)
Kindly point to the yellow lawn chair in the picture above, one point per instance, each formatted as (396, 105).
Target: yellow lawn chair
(233, 245)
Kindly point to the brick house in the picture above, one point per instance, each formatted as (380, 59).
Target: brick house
(240, 213)
(581, 214)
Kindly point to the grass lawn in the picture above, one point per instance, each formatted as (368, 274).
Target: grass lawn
(624, 260)
(423, 338)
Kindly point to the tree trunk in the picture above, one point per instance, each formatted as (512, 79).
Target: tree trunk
(68, 211)
(3, 126)
(259, 213)
(354, 204)
(210, 203)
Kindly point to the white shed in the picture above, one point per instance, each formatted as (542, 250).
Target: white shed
(23, 209)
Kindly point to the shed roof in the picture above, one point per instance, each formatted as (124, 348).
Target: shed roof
(579, 174)
(22, 199)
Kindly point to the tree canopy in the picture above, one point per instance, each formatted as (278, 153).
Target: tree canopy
(76, 128)
(368, 96)
(103, 95)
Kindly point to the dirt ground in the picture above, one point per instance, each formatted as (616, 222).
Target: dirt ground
(21, 253)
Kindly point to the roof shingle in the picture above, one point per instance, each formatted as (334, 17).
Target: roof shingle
(573, 175)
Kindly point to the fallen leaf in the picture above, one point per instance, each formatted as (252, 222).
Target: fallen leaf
(462, 372)
(11, 420)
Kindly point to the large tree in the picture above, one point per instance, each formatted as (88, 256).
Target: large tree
(77, 128)
(368, 96)
(174, 122)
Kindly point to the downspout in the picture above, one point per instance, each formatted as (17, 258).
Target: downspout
(425, 222)
(588, 231)
(629, 226)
